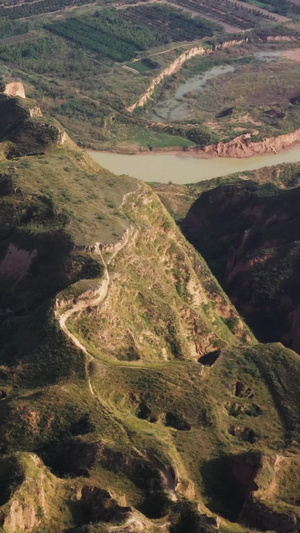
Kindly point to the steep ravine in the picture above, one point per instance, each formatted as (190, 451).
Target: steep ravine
(249, 234)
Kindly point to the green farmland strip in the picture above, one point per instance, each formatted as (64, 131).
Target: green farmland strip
(93, 39)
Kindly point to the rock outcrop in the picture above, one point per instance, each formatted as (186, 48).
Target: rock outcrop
(27, 501)
(21, 517)
(15, 88)
(28, 135)
(35, 112)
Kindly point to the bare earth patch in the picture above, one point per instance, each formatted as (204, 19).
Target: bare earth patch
(293, 54)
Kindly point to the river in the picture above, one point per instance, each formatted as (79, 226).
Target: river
(182, 169)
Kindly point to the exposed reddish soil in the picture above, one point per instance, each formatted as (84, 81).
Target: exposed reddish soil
(249, 235)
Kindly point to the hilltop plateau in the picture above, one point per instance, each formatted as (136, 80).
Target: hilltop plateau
(132, 395)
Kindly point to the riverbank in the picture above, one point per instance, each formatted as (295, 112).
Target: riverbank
(187, 167)
(243, 147)
(240, 147)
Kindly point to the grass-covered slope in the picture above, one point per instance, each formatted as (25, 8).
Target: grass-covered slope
(163, 303)
(132, 396)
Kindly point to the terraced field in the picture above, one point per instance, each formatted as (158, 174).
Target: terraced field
(283, 7)
(242, 17)
(171, 24)
(38, 7)
(120, 36)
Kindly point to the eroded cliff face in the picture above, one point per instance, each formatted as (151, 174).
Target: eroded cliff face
(176, 65)
(249, 234)
(30, 500)
(242, 146)
(171, 69)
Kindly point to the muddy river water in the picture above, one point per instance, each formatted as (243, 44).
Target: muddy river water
(186, 169)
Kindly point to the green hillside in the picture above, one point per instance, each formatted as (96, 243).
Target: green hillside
(133, 398)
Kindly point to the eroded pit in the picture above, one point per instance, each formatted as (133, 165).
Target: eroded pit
(210, 358)
(257, 514)
(225, 113)
(155, 505)
(128, 354)
(236, 409)
(144, 412)
(243, 391)
(146, 475)
(186, 518)
(11, 476)
(229, 481)
(176, 421)
(6, 185)
(82, 426)
(169, 419)
(74, 458)
(70, 458)
(99, 506)
(245, 434)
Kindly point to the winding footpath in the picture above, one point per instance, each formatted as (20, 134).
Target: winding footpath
(97, 300)
(80, 306)
(168, 474)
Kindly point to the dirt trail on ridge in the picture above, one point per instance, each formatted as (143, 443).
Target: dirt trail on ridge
(81, 305)
(98, 297)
